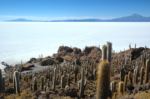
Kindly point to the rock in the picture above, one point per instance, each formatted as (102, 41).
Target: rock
(47, 61)
(27, 66)
(65, 49)
(59, 59)
(32, 60)
(76, 50)
(135, 53)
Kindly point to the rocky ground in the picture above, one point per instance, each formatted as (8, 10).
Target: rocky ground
(61, 75)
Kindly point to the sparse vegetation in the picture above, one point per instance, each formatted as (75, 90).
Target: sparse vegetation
(84, 74)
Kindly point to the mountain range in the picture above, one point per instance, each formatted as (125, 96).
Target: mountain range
(130, 18)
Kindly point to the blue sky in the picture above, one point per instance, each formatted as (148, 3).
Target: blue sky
(46, 9)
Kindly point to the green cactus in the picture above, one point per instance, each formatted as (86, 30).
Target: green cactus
(103, 80)
(16, 80)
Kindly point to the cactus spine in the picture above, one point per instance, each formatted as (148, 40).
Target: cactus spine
(16, 78)
(147, 71)
(103, 80)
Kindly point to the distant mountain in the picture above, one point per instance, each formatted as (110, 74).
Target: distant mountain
(131, 18)
(24, 20)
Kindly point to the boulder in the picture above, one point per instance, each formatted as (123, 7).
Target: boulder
(47, 61)
(27, 66)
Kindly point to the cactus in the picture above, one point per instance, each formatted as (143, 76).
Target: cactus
(34, 84)
(3, 83)
(104, 52)
(50, 76)
(121, 87)
(141, 75)
(122, 74)
(130, 78)
(109, 51)
(147, 71)
(16, 78)
(113, 86)
(82, 83)
(76, 69)
(68, 79)
(1, 80)
(135, 78)
(42, 83)
(103, 80)
(125, 82)
(62, 81)
(54, 80)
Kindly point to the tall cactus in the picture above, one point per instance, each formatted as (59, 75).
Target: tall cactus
(42, 83)
(2, 82)
(68, 79)
(16, 78)
(141, 75)
(76, 70)
(104, 52)
(147, 71)
(121, 87)
(63, 81)
(103, 80)
(122, 73)
(125, 82)
(130, 78)
(82, 83)
(34, 84)
(135, 74)
(54, 80)
(109, 51)
(113, 86)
